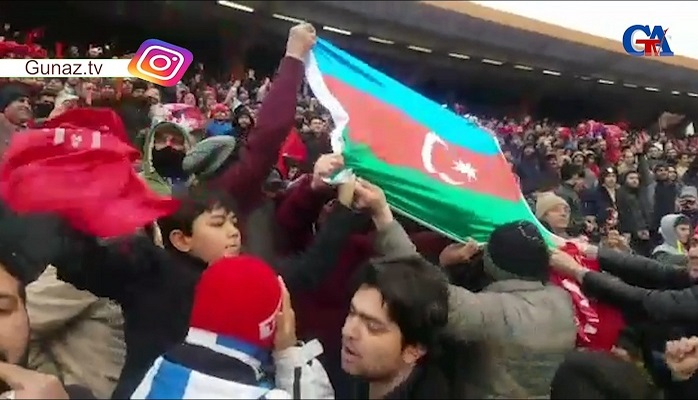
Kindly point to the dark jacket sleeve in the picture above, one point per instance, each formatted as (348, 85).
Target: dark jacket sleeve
(244, 178)
(676, 306)
(308, 269)
(642, 271)
(110, 270)
(298, 212)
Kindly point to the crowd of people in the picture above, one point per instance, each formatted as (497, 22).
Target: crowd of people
(268, 282)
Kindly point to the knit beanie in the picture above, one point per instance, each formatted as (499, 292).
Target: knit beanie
(517, 250)
(208, 156)
(10, 93)
(238, 297)
(599, 375)
(547, 202)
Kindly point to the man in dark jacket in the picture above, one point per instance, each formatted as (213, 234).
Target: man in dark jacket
(634, 212)
(647, 290)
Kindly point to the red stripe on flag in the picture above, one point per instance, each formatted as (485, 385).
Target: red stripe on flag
(399, 140)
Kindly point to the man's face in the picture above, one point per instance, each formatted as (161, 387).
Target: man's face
(578, 160)
(244, 121)
(190, 99)
(671, 174)
(610, 180)
(688, 203)
(214, 235)
(317, 125)
(683, 232)
(73, 81)
(19, 111)
(127, 86)
(166, 138)
(684, 160)
(632, 180)
(558, 217)
(140, 92)
(108, 92)
(654, 152)
(629, 158)
(14, 322)
(661, 173)
(671, 153)
(55, 85)
(372, 344)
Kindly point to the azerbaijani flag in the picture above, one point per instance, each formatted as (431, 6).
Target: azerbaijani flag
(436, 167)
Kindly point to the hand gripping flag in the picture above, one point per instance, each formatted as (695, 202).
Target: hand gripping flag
(83, 174)
(436, 167)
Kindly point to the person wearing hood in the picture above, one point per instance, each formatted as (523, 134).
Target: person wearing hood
(163, 152)
(220, 124)
(15, 112)
(675, 230)
(243, 123)
(530, 168)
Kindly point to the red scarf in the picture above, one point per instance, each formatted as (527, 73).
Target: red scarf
(598, 325)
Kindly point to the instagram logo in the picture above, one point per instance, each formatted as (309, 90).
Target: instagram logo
(160, 62)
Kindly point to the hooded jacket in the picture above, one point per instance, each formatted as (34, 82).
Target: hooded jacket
(670, 251)
(154, 180)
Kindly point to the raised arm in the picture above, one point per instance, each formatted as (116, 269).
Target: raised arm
(244, 177)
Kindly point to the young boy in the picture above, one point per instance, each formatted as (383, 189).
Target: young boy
(241, 328)
(155, 286)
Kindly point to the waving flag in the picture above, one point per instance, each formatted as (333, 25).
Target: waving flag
(84, 174)
(434, 166)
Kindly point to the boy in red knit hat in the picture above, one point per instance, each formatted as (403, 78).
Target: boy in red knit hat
(242, 326)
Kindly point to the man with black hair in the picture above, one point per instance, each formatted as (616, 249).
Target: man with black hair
(512, 335)
(394, 320)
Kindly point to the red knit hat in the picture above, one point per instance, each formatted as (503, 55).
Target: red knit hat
(238, 297)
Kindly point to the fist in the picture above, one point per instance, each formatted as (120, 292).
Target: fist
(26, 384)
(301, 38)
(682, 357)
(325, 166)
(368, 196)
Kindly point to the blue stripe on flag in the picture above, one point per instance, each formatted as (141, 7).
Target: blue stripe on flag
(169, 382)
(354, 72)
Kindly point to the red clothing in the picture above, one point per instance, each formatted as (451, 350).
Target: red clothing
(293, 148)
(598, 325)
(320, 313)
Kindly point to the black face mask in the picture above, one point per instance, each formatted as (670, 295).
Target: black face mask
(168, 162)
(42, 110)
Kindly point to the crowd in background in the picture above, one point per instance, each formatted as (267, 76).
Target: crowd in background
(624, 197)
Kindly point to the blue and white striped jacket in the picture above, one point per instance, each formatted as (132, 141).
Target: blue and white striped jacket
(211, 366)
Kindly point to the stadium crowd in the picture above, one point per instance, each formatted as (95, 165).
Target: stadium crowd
(225, 296)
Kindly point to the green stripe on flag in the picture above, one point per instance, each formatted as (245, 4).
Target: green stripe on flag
(459, 213)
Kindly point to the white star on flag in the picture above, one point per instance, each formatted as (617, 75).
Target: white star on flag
(466, 169)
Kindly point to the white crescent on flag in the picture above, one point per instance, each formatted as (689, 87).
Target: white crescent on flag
(430, 140)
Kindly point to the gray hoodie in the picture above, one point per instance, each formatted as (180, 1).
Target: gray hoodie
(669, 251)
